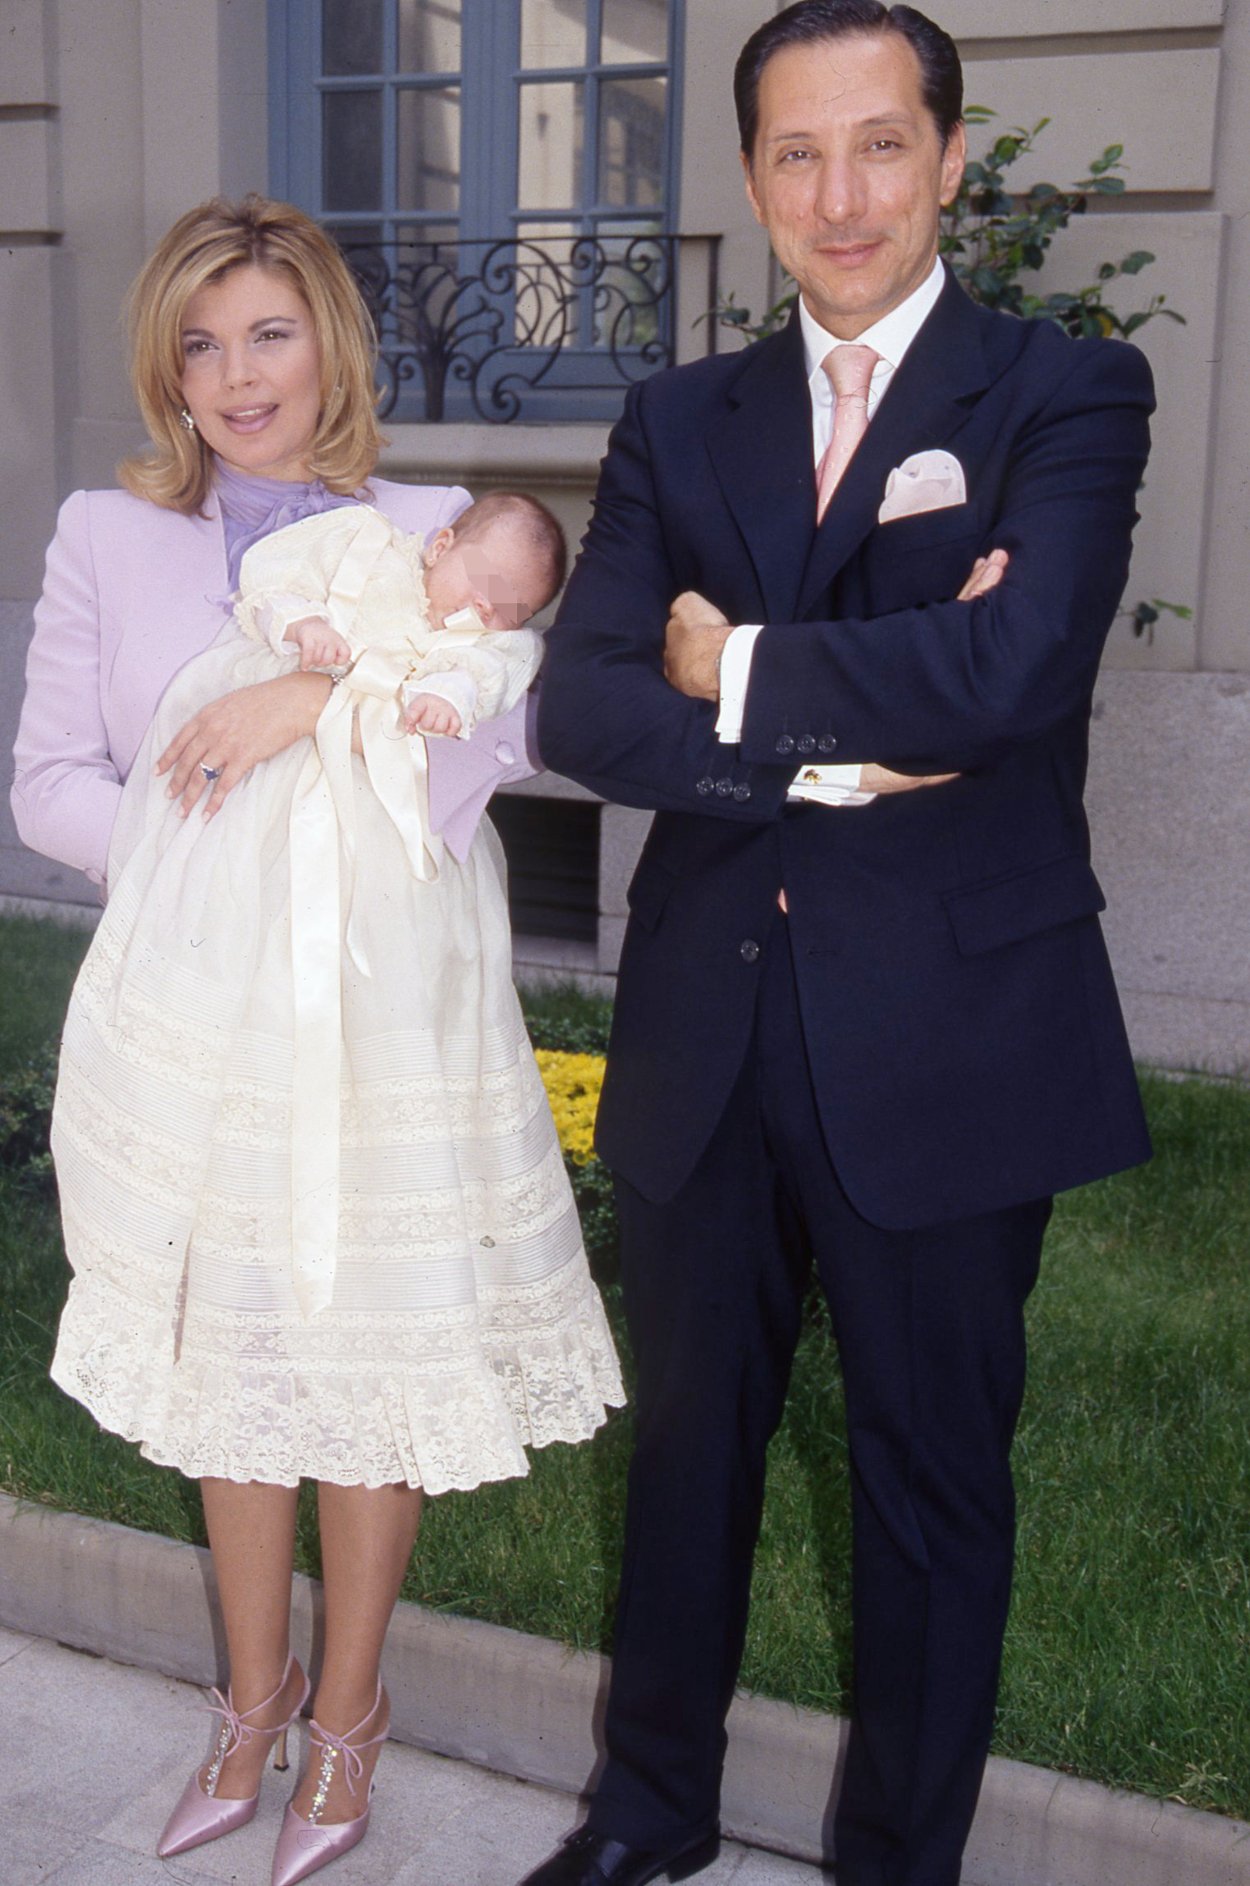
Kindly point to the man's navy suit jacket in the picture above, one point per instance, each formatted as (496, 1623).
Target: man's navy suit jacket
(963, 1030)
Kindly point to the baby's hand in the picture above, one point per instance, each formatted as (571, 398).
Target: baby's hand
(319, 645)
(430, 713)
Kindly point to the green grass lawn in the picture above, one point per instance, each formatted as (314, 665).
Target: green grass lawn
(38, 962)
(1128, 1647)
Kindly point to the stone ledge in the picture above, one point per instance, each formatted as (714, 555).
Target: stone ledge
(527, 1707)
(479, 455)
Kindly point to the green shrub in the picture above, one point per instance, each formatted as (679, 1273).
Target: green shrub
(25, 1117)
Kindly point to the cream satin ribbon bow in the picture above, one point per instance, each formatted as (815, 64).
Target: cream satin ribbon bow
(323, 830)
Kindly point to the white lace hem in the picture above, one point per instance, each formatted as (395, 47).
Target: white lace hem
(433, 1415)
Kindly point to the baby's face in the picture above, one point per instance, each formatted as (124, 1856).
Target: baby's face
(496, 573)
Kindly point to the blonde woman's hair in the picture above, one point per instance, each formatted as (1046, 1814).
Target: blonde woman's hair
(200, 250)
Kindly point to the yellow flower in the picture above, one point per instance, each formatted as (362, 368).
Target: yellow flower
(572, 1082)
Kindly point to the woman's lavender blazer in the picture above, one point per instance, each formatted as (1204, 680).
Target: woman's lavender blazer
(131, 592)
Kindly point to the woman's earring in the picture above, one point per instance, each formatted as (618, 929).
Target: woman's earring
(185, 420)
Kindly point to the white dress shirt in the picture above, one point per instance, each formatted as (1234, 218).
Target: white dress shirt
(890, 337)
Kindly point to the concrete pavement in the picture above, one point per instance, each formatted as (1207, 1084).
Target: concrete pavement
(96, 1753)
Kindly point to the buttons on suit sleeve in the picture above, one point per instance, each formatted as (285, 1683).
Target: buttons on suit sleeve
(804, 743)
(723, 788)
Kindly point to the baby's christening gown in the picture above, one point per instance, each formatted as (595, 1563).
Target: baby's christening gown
(312, 1193)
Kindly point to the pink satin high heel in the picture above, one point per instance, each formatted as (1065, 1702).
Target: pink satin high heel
(305, 1846)
(200, 1816)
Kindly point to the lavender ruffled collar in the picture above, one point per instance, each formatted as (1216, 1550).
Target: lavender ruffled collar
(252, 507)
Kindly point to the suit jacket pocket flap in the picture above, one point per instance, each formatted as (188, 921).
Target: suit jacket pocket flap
(649, 891)
(921, 528)
(1005, 910)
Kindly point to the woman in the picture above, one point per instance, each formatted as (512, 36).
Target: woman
(252, 363)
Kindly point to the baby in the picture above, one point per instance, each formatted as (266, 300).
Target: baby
(497, 565)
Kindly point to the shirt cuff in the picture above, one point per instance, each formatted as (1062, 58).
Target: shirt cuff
(823, 785)
(735, 673)
(830, 785)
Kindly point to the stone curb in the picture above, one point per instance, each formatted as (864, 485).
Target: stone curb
(526, 1707)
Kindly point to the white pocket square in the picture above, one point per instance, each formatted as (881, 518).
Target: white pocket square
(928, 481)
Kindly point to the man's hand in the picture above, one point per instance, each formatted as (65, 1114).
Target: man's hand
(693, 640)
(987, 574)
(229, 736)
(880, 779)
(430, 713)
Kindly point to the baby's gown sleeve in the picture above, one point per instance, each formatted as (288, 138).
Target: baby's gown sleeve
(481, 672)
(292, 574)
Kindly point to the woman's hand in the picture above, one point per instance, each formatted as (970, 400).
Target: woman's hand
(226, 739)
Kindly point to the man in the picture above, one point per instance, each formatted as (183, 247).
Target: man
(874, 1037)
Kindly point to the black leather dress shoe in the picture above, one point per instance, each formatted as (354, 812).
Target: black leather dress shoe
(588, 1859)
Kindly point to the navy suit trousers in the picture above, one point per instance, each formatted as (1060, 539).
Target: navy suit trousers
(930, 1331)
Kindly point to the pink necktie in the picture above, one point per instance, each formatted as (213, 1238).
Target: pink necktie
(850, 369)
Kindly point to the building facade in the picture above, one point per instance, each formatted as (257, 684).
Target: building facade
(542, 198)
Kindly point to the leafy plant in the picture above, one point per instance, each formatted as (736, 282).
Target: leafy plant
(1147, 614)
(25, 1114)
(992, 238)
(566, 1019)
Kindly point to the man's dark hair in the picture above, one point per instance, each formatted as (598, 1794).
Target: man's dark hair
(810, 21)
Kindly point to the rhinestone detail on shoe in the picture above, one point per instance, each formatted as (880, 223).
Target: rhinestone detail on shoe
(219, 1755)
(324, 1778)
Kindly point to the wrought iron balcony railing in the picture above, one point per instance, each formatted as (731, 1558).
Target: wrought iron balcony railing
(521, 329)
